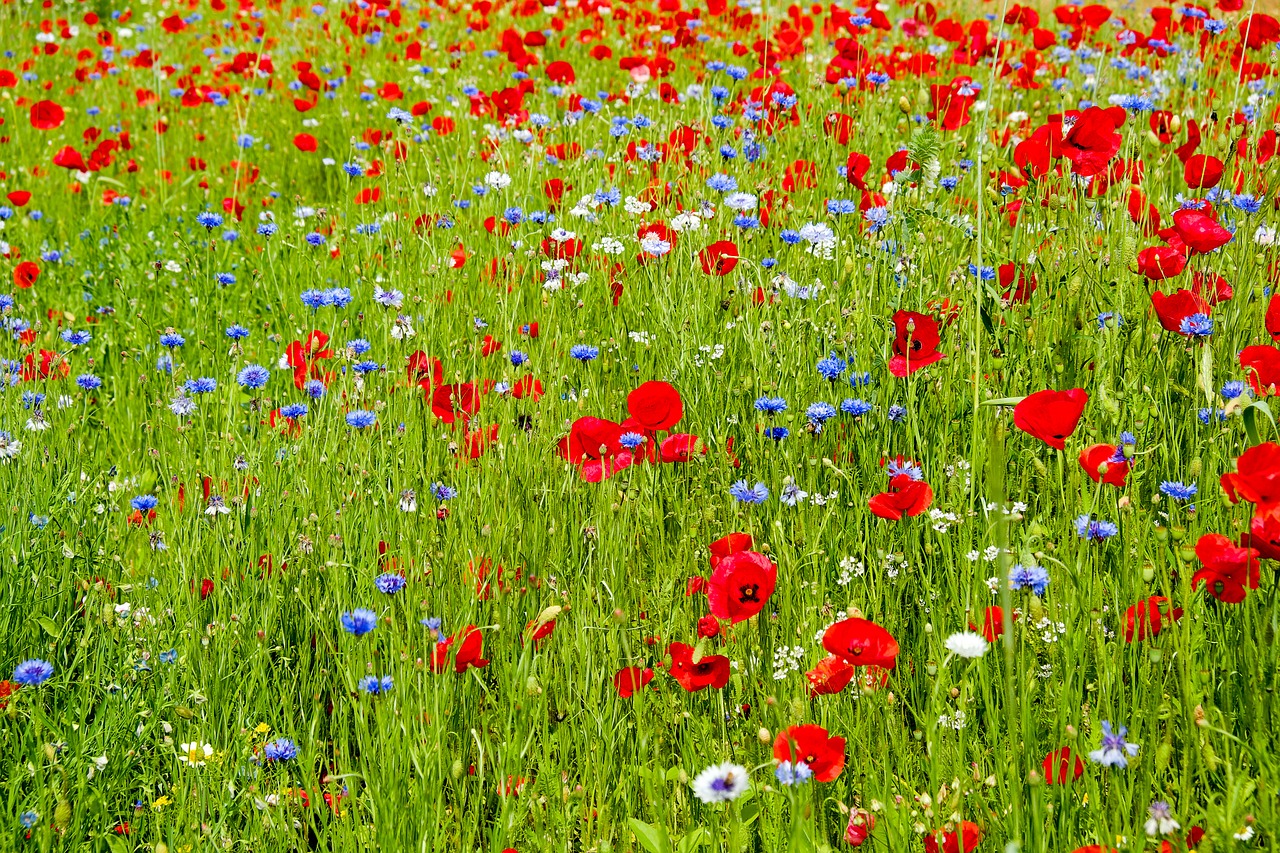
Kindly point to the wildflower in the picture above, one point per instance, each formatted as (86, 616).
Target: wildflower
(583, 352)
(721, 783)
(1196, 326)
(1160, 820)
(897, 414)
(1034, 578)
(777, 433)
(88, 382)
(172, 340)
(32, 672)
(375, 686)
(144, 503)
(1095, 530)
(1178, 491)
(195, 754)
(793, 774)
(831, 367)
(253, 377)
(819, 413)
(359, 621)
(389, 582)
(856, 407)
(361, 419)
(749, 494)
(280, 749)
(966, 644)
(1115, 751)
(771, 405)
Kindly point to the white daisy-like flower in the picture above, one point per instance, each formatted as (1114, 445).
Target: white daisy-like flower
(195, 753)
(967, 644)
(721, 783)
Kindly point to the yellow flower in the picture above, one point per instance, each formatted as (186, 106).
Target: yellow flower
(161, 803)
(262, 729)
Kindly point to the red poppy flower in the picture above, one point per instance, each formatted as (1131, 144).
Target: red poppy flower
(305, 142)
(681, 447)
(1256, 479)
(1051, 416)
(861, 642)
(856, 169)
(630, 679)
(1262, 365)
(915, 343)
(731, 544)
(1199, 231)
(1160, 262)
(1263, 534)
(1016, 283)
(448, 402)
(46, 115)
(25, 274)
(906, 497)
(1061, 767)
(655, 406)
(740, 586)
(304, 358)
(591, 439)
(470, 644)
(719, 258)
(599, 470)
(993, 622)
(527, 386)
(1202, 171)
(1229, 571)
(1212, 287)
(1175, 307)
(1272, 319)
(949, 841)
(1092, 141)
(1102, 466)
(811, 744)
(1147, 618)
(831, 675)
(709, 671)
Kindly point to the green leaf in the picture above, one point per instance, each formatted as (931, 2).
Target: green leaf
(1250, 417)
(692, 841)
(652, 838)
(50, 627)
(1004, 401)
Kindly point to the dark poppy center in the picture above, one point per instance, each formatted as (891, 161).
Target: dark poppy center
(749, 592)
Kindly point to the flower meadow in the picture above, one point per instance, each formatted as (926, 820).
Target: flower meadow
(663, 426)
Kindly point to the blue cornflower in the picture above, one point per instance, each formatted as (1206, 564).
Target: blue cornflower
(28, 819)
(253, 377)
(367, 366)
(897, 414)
(237, 332)
(33, 672)
(359, 621)
(314, 389)
(1233, 389)
(171, 656)
(819, 413)
(842, 207)
(361, 419)
(877, 218)
(1115, 750)
(631, 440)
(722, 183)
(1208, 416)
(793, 774)
(777, 433)
(1178, 491)
(201, 385)
(894, 468)
(389, 582)
(1095, 530)
(373, 685)
(359, 346)
(983, 273)
(315, 239)
(855, 407)
(280, 749)
(771, 405)
(76, 338)
(518, 358)
(209, 220)
(1034, 578)
(443, 492)
(1196, 326)
(831, 367)
(172, 340)
(144, 503)
(860, 379)
(1246, 203)
(268, 229)
(583, 352)
(293, 411)
(749, 494)
(224, 278)
(88, 382)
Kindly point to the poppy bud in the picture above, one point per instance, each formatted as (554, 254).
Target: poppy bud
(1175, 123)
(764, 736)
(904, 105)
(708, 627)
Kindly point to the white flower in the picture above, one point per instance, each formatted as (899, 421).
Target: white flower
(9, 447)
(740, 201)
(683, 222)
(498, 180)
(721, 783)
(1245, 834)
(195, 753)
(966, 644)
